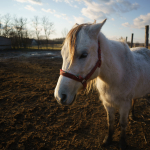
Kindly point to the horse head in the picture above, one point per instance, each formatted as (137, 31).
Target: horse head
(80, 56)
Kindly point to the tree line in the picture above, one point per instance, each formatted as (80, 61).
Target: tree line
(17, 28)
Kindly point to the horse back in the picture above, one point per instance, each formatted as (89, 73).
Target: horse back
(142, 63)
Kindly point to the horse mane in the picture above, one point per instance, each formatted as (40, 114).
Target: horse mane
(91, 86)
(71, 40)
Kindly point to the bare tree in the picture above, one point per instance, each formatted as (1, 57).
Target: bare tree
(7, 25)
(36, 25)
(64, 32)
(48, 28)
(25, 38)
(0, 25)
(19, 26)
(31, 34)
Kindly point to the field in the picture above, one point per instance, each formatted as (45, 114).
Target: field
(31, 119)
(56, 47)
(50, 47)
(59, 46)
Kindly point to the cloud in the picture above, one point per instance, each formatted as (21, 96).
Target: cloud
(104, 1)
(108, 5)
(79, 20)
(37, 2)
(66, 1)
(104, 9)
(75, 6)
(113, 37)
(56, 15)
(125, 6)
(21, 1)
(112, 19)
(70, 2)
(63, 16)
(126, 24)
(95, 11)
(29, 8)
(57, 0)
(139, 22)
(48, 10)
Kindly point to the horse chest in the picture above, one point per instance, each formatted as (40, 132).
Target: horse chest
(110, 96)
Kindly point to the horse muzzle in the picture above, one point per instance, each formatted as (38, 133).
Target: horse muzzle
(65, 99)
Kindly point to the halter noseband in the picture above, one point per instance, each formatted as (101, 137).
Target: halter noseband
(79, 78)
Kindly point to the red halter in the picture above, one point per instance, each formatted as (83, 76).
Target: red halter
(79, 78)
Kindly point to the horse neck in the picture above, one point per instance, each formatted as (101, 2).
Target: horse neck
(109, 60)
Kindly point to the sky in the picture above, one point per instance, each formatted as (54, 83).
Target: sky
(124, 17)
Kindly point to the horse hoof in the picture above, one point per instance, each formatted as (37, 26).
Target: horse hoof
(123, 144)
(107, 141)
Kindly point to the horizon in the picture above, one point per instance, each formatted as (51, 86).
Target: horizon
(124, 17)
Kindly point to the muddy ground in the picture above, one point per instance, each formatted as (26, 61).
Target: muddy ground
(31, 119)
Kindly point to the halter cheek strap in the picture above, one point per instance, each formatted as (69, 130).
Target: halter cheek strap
(74, 77)
(79, 78)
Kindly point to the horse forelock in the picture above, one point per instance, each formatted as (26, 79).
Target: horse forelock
(71, 40)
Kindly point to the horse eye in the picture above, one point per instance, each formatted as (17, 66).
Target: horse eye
(84, 55)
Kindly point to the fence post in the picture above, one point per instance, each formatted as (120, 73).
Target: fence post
(132, 40)
(126, 38)
(146, 35)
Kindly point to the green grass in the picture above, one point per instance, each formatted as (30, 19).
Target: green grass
(54, 47)
(50, 47)
(45, 48)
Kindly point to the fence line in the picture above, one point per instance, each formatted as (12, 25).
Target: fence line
(146, 37)
(132, 40)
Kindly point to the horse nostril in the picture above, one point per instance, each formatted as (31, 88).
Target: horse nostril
(64, 98)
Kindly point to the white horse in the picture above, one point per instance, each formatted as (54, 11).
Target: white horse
(124, 74)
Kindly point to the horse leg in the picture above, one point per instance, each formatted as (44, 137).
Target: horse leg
(124, 112)
(132, 115)
(110, 120)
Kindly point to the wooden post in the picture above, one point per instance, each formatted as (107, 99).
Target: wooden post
(132, 40)
(146, 35)
(126, 38)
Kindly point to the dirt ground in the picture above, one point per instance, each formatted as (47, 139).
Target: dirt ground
(31, 119)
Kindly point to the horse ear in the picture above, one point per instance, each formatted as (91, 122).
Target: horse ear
(95, 28)
(76, 24)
